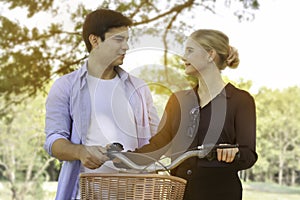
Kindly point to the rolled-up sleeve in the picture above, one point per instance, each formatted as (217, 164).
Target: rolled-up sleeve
(58, 120)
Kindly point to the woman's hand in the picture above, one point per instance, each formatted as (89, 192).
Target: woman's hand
(227, 154)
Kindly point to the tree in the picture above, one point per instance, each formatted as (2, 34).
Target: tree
(31, 57)
(23, 161)
(278, 134)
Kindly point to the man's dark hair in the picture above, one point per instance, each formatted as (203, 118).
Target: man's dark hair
(99, 22)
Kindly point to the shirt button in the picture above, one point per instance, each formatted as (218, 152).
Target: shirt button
(189, 172)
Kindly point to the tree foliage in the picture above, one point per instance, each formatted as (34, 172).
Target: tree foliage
(31, 57)
(278, 134)
(23, 162)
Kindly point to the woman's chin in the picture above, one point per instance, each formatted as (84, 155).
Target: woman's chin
(189, 71)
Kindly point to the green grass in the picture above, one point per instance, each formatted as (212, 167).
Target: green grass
(269, 191)
(49, 189)
(252, 191)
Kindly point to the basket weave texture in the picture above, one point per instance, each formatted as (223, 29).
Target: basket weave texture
(131, 186)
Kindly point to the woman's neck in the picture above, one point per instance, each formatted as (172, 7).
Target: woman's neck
(210, 85)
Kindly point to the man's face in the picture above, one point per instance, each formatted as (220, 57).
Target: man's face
(112, 50)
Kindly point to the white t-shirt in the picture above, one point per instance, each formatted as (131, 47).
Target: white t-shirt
(112, 118)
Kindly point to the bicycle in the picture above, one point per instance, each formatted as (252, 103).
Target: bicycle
(146, 184)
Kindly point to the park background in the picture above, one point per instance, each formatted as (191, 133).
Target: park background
(40, 41)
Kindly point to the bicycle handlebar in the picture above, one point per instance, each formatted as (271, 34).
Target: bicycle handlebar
(202, 151)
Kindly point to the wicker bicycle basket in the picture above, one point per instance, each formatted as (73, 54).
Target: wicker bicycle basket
(131, 186)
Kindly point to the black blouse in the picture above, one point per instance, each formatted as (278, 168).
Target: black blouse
(229, 118)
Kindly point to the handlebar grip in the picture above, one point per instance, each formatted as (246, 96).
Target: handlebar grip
(212, 155)
(115, 147)
(226, 146)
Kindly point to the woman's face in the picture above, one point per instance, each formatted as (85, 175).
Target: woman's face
(195, 57)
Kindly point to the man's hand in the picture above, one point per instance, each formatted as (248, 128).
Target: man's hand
(92, 157)
(227, 154)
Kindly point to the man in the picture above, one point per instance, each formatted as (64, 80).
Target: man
(97, 104)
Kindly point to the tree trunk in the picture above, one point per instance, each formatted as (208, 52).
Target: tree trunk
(14, 192)
(243, 175)
(293, 177)
(280, 169)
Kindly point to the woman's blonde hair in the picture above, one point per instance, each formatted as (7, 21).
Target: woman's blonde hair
(213, 39)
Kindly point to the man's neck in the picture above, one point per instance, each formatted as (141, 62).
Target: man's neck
(101, 71)
(109, 73)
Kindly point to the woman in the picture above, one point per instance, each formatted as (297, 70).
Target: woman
(211, 113)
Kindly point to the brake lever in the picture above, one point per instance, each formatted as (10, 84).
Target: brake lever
(113, 148)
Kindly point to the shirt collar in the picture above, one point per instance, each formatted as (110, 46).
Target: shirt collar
(226, 92)
(123, 75)
(83, 70)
